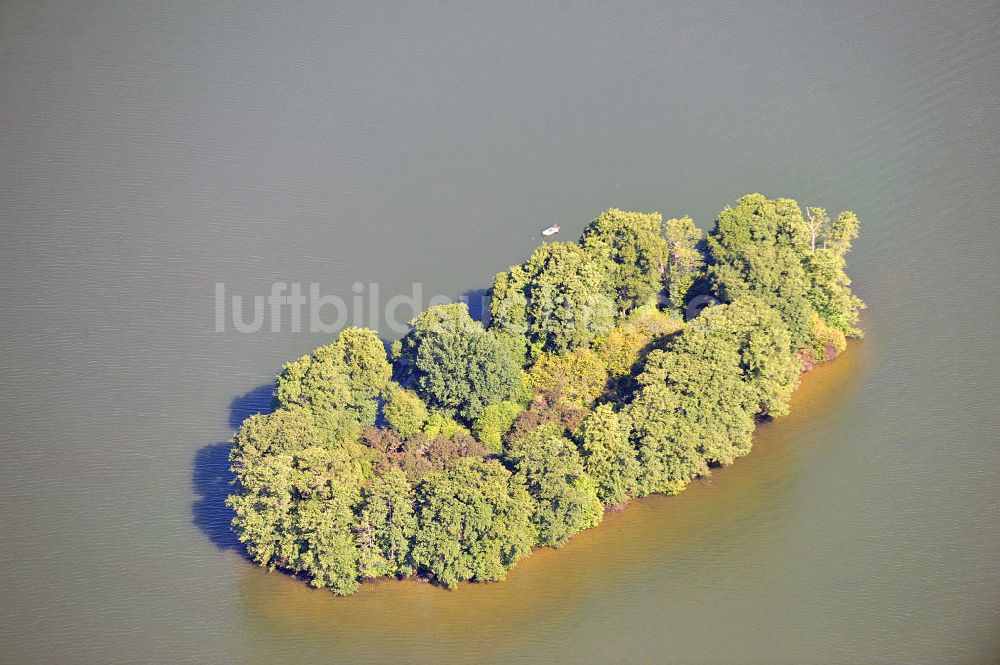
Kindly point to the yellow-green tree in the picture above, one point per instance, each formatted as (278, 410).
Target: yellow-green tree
(577, 377)
(339, 382)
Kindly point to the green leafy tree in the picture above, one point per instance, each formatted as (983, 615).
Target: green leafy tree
(830, 292)
(295, 511)
(714, 407)
(386, 526)
(729, 365)
(558, 300)
(440, 424)
(283, 430)
(775, 275)
(693, 407)
(329, 555)
(843, 232)
(608, 455)
(666, 445)
(766, 249)
(455, 364)
(632, 247)
(757, 248)
(474, 522)
(264, 507)
(339, 382)
(767, 364)
(565, 497)
(757, 221)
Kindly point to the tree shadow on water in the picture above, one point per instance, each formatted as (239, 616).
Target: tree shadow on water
(211, 477)
(479, 304)
(258, 400)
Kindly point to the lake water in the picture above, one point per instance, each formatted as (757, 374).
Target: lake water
(151, 150)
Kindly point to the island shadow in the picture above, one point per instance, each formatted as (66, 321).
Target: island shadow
(211, 477)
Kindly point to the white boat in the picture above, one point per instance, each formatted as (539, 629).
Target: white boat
(551, 231)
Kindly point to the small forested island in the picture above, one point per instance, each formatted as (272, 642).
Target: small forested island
(467, 446)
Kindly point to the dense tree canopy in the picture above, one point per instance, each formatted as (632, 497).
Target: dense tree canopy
(830, 291)
(495, 422)
(558, 300)
(666, 445)
(386, 526)
(609, 456)
(294, 510)
(474, 522)
(712, 406)
(339, 382)
(551, 468)
(584, 392)
(757, 221)
(767, 362)
(632, 250)
(773, 274)
(794, 264)
(456, 364)
(284, 430)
